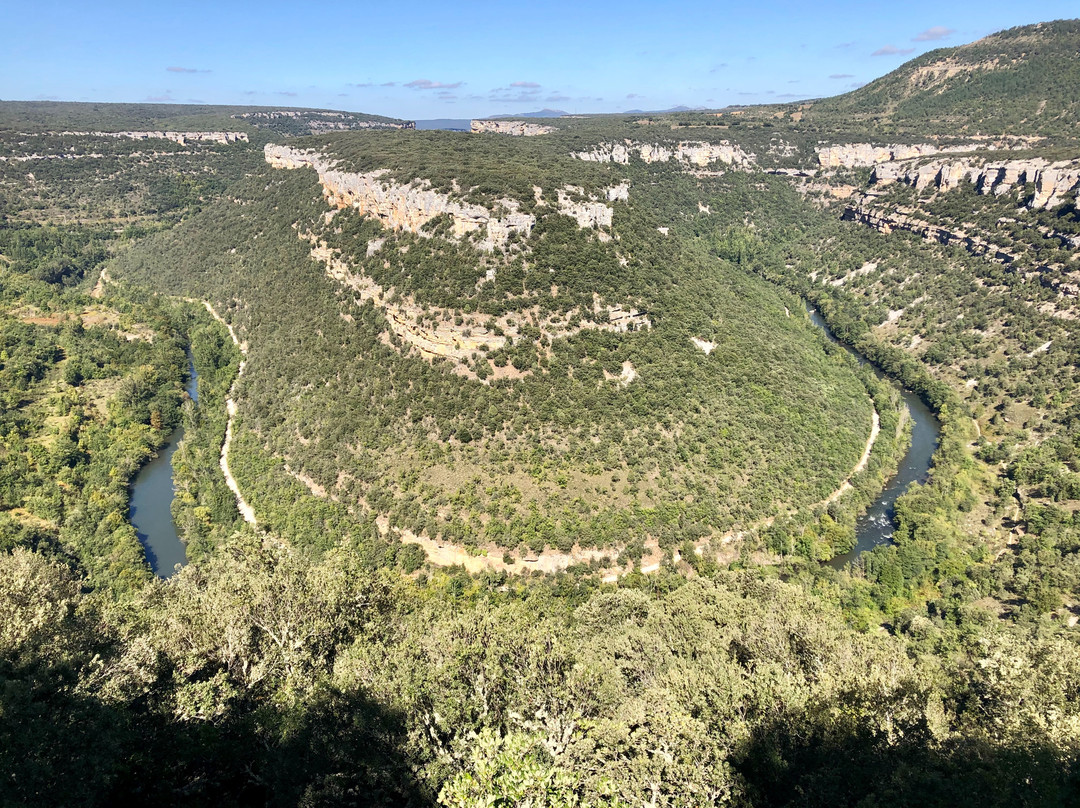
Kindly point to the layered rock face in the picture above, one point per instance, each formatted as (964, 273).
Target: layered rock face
(518, 128)
(861, 155)
(690, 153)
(182, 138)
(436, 333)
(901, 219)
(401, 207)
(1051, 180)
(858, 155)
(324, 121)
(410, 207)
(590, 211)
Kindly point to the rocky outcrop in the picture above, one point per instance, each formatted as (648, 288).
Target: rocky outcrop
(588, 212)
(410, 207)
(437, 333)
(861, 155)
(402, 207)
(1051, 180)
(858, 155)
(183, 138)
(323, 121)
(517, 128)
(690, 153)
(901, 219)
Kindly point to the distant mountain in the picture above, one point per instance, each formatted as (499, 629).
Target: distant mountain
(287, 121)
(543, 113)
(1022, 81)
(451, 124)
(679, 108)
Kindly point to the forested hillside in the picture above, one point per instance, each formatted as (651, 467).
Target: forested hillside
(517, 463)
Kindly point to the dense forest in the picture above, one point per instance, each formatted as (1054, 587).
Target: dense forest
(517, 463)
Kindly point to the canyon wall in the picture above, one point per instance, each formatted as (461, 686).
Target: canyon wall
(410, 207)
(402, 207)
(1051, 180)
(323, 121)
(861, 155)
(182, 138)
(690, 153)
(518, 128)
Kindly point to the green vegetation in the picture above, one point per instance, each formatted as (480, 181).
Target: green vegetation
(695, 650)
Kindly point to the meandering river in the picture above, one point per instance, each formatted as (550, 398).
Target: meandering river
(875, 527)
(153, 491)
(151, 502)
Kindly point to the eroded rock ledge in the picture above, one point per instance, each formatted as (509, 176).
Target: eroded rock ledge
(401, 207)
(437, 333)
(324, 121)
(1051, 180)
(409, 207)
(183, 138)
(861, 155)
(690, 153)
(517, 128)
(902, 219)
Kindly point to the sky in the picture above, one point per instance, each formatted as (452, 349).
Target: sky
(423, 60)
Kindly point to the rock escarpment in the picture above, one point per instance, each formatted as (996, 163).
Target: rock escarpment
(517, 128)
(402, 207)
(1051, 180)
(437, 333)
(690, 153)
(183, 138)
(588, 210)
(861, 155)
(903, 219)
(317, 122)
(409, 207)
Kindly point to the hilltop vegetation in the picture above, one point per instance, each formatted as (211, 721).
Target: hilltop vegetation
(1016, 81)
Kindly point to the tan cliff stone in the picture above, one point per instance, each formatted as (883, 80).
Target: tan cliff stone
(690, 153)
(438, 333)
(321, 121)
(861, 155)
(409, 207)
(1051, 180)
(183, 138)
(401, 207)
(516, 128)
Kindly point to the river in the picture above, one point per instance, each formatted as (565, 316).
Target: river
(875, 527)
(151, 502)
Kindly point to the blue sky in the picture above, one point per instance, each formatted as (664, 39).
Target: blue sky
(469, 59)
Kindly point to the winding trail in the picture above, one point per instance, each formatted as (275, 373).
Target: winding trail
(242, 505)
(445, 554)
(875, 430)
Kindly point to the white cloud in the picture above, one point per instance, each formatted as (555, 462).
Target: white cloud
(934, 34)
(891, 50)
(428, 84)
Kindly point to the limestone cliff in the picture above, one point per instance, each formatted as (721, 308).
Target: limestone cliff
(517, 128)
(861, 155)
(409, 207)
(402, 207)
(183, 138)
(690, 153)
(437, 333)
(588, 210)
(1051, 180)
(903, 219)
(1067, 285)
(318, 122)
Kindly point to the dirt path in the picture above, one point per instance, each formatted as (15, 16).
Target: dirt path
(242, 505)
(875, 430)
(445, 554)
